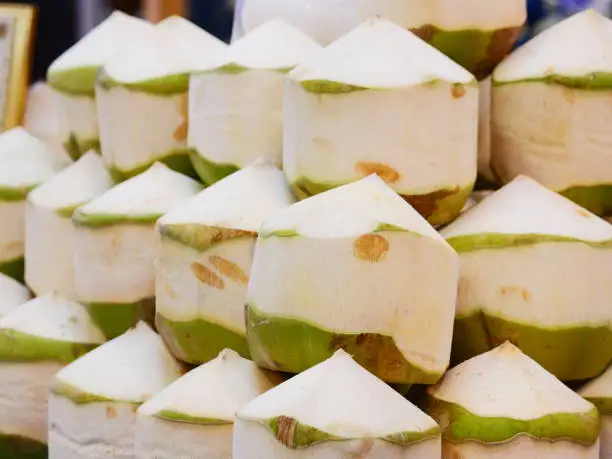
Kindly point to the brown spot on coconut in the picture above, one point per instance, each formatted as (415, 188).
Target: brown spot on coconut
(387, 173)
(229, 269)
(206, 276)
(111, 412)
(180, 134)
(371, 247)
(458, 91)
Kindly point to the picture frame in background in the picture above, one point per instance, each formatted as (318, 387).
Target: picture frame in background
(17, 33)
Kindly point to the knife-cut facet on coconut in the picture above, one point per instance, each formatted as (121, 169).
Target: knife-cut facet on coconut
(37, 340)
(534, 270)
(43, 115)
(334, 410)
(550, 113)
(12, 294)
(25, 162)
(599, 393)
(93, 401)
(115, 245)
(236, 107)
(330, 139)
(354, 268)
(503, 405)
(486, 176)
(142, 95)
(204, 261)
(194, 416)
(73, 76)
(49, 236)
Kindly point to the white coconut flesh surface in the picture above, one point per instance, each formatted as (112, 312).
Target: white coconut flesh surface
(43, 117)
(49, 237)
(237, 117)
(342, 236)
(505, 383)
(32, 333)
(329, 138)
(560, 136)
(484, 130)
(12, 294)
(92, 407)
(194, 415)
(354, 412)
(114, 255)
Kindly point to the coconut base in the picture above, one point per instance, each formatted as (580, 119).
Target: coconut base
(76, 147)
(114, 319)
(209, 171)
(177, 160)
(13, 268)
(19, 447)
(597, 198)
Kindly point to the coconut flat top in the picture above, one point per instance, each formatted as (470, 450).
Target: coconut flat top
(242, 200)
(575, 47)
(526, 207)
(380, 55)
(12, 294)
(506, 383)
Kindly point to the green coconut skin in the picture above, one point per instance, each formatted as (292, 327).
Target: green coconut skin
(590, 82)
(597, 198)
(490, 241)
(76, 147)
(19, 447)
(104, 220)
(201, 237)
(14, 268)
(79, 81)
(292, 346)
(177, 160)
(174, 416)
(208, 171)
(78, 397)
(114, 319)
(169, 85)
(603, 404)
(17, 346)
(15, 194)
(460, 425)
(439, 207)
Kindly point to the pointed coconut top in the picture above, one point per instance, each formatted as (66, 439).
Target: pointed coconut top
(599, 392)
(503, 393)
(364, 206)
(143, 198)
(25, 162)
(80, 182)
(525, 212)
(174, 47)
(377, 55)
(50, 327)
(211, 393)
(12, 294)
(130, 368)
(275, 45)
(338, 399)
(575, 51)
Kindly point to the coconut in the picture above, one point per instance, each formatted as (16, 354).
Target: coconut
(599, 393)
(354, 268)
(236, 107)
(194, 416)
(37, 339)
(335, 409)
(484, 133)
(25, 162)
(204, 261)
(73, 75)
(115, 246)
(502, 404)
(534, 270)
(43, 115)
(142, 96)
(12, 294)
(93, 401)
(560, 136)
(329, 137)
(49, 236)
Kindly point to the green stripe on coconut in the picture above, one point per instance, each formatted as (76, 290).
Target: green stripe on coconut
(599, 393)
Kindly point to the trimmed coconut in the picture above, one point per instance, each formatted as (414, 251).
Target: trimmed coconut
(560, 136)
(115, 245)
(25, 162)
(37, 340)
(330, 139)
(194, 416)
(142, 95)
(335, 409)
(236, 108)
(534, 270)
(484, 132)
(354, 268)
(503, 405)
(73, 75)
(49, 236)
(93, 404)
(599, 393)
(12, 294)
(43, 116)
(204, 261)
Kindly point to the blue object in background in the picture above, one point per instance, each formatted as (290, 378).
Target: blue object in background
(214, 16)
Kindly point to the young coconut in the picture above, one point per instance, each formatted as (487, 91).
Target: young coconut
(93, 404)
(518, 248)
(43, 115)
(37, 340)
(335, 409)
(72, 77)
(503, 405)
(25, 162)
(566, 146)
(204, 260)
(354, 268)
(115, 245)
(486, 176)
(49, 236)
(12, 295)
(599, 393)
(194, 416)
(142, 96)
(236, 108)
(328, 105)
